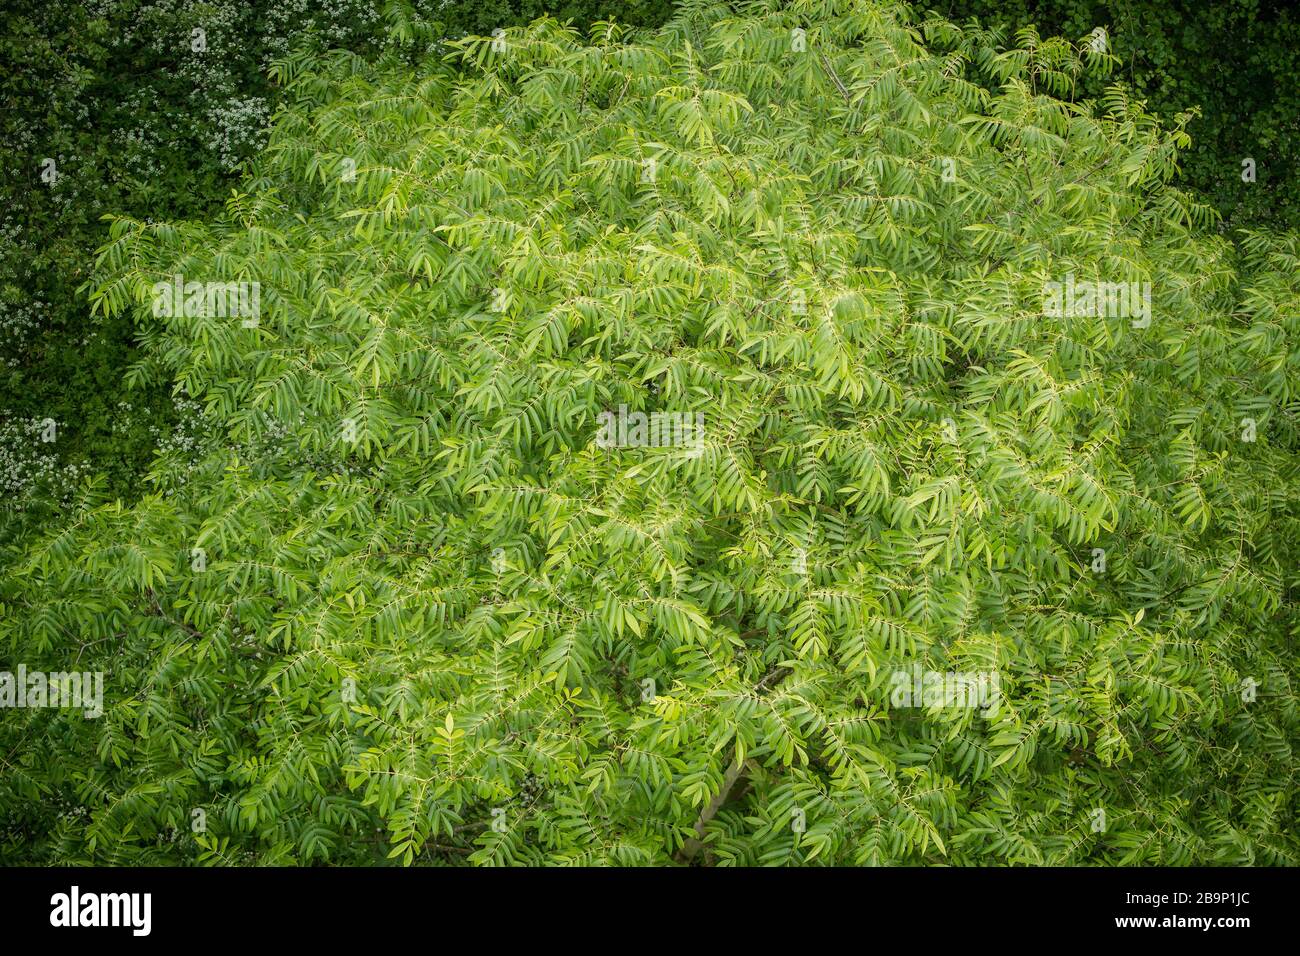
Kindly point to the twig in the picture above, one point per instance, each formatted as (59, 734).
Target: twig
(830, 71)
(691, 848)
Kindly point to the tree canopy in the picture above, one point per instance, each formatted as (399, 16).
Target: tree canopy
(407, 607)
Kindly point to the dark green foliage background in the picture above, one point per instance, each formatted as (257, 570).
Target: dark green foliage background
(1237, 60)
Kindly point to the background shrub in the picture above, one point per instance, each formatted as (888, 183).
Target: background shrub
(1236, 60)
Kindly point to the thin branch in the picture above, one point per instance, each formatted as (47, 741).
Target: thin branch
(835, 78)
(691, 848)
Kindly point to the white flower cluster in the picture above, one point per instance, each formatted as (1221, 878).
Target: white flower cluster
(167, 28)
(137, 149)
(17, 322)
(30, 468)
(192, 433)
(16, 249)
(237, 129)
(337, 21)
(181, 448)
